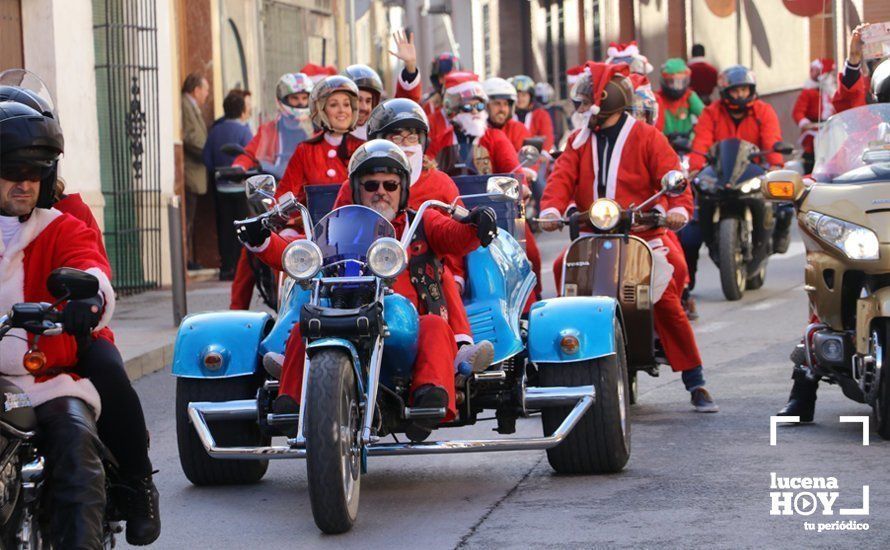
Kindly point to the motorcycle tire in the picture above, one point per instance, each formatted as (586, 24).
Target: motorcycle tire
(333, 464)
(756, 281)
(881, 407)
(732, 264)
(197, 465)
(632, 387)
(600, 442)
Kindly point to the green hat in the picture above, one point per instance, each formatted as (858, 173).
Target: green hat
(674, 65)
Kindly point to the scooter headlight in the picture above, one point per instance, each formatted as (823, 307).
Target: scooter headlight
(302, 259)
(856, 242)
(605, 214)
(387, 258)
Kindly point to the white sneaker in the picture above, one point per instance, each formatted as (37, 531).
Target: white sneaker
(478, 356)
(273, 362)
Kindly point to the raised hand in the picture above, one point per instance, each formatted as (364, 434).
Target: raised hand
(405, 50)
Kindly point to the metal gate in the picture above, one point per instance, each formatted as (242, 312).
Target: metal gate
(125, 37)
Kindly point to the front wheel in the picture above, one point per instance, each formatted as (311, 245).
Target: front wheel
(756, 281)
(333, 449)
(732, 261)
(600, 442)
(878, 339)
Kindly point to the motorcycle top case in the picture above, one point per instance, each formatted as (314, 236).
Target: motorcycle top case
(232, 336)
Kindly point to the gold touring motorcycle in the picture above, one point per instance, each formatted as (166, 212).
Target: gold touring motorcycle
(844, 218)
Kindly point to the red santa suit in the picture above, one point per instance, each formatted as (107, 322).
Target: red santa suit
(409, 89)
(814, 103)
(320, 159)
(539, 124)
(760, 127)
(46, 241)
(516, 132)
(848, 98)
(436, 347)
(640, 157)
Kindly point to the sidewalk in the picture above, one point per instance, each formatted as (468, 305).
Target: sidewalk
(143, 324)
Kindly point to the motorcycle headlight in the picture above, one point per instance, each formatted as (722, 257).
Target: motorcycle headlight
(856, 242)
(605, 214)
(301, 260)
(750, 186)
(387, 258)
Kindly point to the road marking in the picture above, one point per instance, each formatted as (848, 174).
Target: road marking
(766, 304)
(864, 420)
(713, 327)
(775, 420)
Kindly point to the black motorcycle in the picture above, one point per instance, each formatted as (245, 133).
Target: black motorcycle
(736, 222)
(24, 512)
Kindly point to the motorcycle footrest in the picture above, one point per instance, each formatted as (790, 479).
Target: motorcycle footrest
(490, 375)
(282, 419)
(415, 413)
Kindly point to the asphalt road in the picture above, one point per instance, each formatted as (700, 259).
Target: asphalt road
(693, 480)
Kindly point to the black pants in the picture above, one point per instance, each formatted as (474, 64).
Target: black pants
(229, 208)
(122, 423)
(76, 480)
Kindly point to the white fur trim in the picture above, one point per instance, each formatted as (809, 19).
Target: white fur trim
(571, 205)
(107, 294)
(810, 84)
(659, 207)
(260, 248)
(550, 210)
(289, 234)
(58, 386)
(408, 85)
(463, 339)
(631, 50)
(696, 59)
(464, 86)
(803, 122)
(461, 283)
(680, 210)
(662, 270)
(580, 138)
(620, 141)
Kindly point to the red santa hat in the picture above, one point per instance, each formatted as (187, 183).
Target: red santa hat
(639, 80)
(573, 73)
(463, 83)
(318, 72)
(617, 49)
(825, 65)
(600, 75)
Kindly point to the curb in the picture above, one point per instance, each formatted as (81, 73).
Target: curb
(149, 362)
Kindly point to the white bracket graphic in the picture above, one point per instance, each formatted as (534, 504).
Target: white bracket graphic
(776, 420)
(864, 420)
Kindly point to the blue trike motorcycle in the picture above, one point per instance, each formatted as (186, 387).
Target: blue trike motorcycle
(566, 360)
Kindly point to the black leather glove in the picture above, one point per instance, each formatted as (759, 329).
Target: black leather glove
(81, 316)
(252, 233)
(486, 223)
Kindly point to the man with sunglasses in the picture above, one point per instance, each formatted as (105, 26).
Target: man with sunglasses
(379, 178)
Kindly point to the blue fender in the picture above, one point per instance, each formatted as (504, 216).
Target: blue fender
(591, 319)
(234, 335)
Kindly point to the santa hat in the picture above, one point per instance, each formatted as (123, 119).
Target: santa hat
(639, 81)
(825, 65)
(629, 49)
(463, 83)
(600, 75)
(317, 72)
(573, 73)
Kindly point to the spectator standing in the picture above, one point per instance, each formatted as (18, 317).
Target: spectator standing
(195, 91)
(231, 203)
(703, 79)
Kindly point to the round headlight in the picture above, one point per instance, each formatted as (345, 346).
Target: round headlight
(604, 214)
(301, 259)
(387, 258)
(861, 244)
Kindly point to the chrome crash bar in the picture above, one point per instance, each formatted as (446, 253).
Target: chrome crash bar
(582, 397)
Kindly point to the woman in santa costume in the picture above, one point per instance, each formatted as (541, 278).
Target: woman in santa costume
(534, 116)
(622, 159)
(380, 178)
(813, 106)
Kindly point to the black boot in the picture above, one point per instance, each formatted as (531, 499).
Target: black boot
(426, 397)
(142, 511)
(802, 401)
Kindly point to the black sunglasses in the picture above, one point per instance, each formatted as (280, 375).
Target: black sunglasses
(468, 108)
(372, 186)
(23, 172)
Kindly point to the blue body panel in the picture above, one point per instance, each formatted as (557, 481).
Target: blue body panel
(288, 316)
(235, 335)
(400, 347)
(589, 318)
(499, 281)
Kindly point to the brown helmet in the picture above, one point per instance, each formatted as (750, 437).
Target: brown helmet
(616, 96)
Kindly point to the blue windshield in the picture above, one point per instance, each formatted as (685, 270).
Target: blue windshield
(347, 233)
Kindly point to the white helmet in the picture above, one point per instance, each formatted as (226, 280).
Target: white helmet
(544, 92)
(292, 83)
(498, 88)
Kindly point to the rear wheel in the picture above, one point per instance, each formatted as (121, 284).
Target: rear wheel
(732, 261)
(197, 465)
(600, 442)
(880, 335)
(333, 450)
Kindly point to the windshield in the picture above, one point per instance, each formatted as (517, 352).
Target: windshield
(347, 233)
(277, 140)
(854, 146)
(732, 162)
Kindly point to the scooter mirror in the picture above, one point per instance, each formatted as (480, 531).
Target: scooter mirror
(504, 185)
(681, 144)
(72, 284)
(783, 147)
(673, 183)
(528, 155)
(262, 184)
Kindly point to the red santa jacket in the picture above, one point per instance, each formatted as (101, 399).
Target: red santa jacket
(847, 98)
(516, 132)
(643, 156)
(810, 106)
(46, 241)
(409, 90)
(264, 145)
(539, 124)
(501, 153)
(760, 127)
(316, 161)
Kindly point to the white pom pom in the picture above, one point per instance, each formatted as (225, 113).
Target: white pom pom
(594, 109)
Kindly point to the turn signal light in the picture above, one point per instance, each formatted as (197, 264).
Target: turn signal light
(781, 189)
(34, 360)
(569, 344)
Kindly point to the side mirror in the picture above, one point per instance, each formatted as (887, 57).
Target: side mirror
(66, 283)
(783, 147)
(503, 185)
(782, 186)
(536, 142)
(263, 185)
(528, 155)
(233, 149)
(673, 183)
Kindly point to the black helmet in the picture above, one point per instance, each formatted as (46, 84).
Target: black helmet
(33, 139)
(736, 77)
(443, 64)
(380, 156)
(880, 82)
(26, 97)
(365, 78)
(398, 114)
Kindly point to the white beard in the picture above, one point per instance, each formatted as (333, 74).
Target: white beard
(581, 120)
(384, 210)
(415, 157)
(361, 132)
(471, 124)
